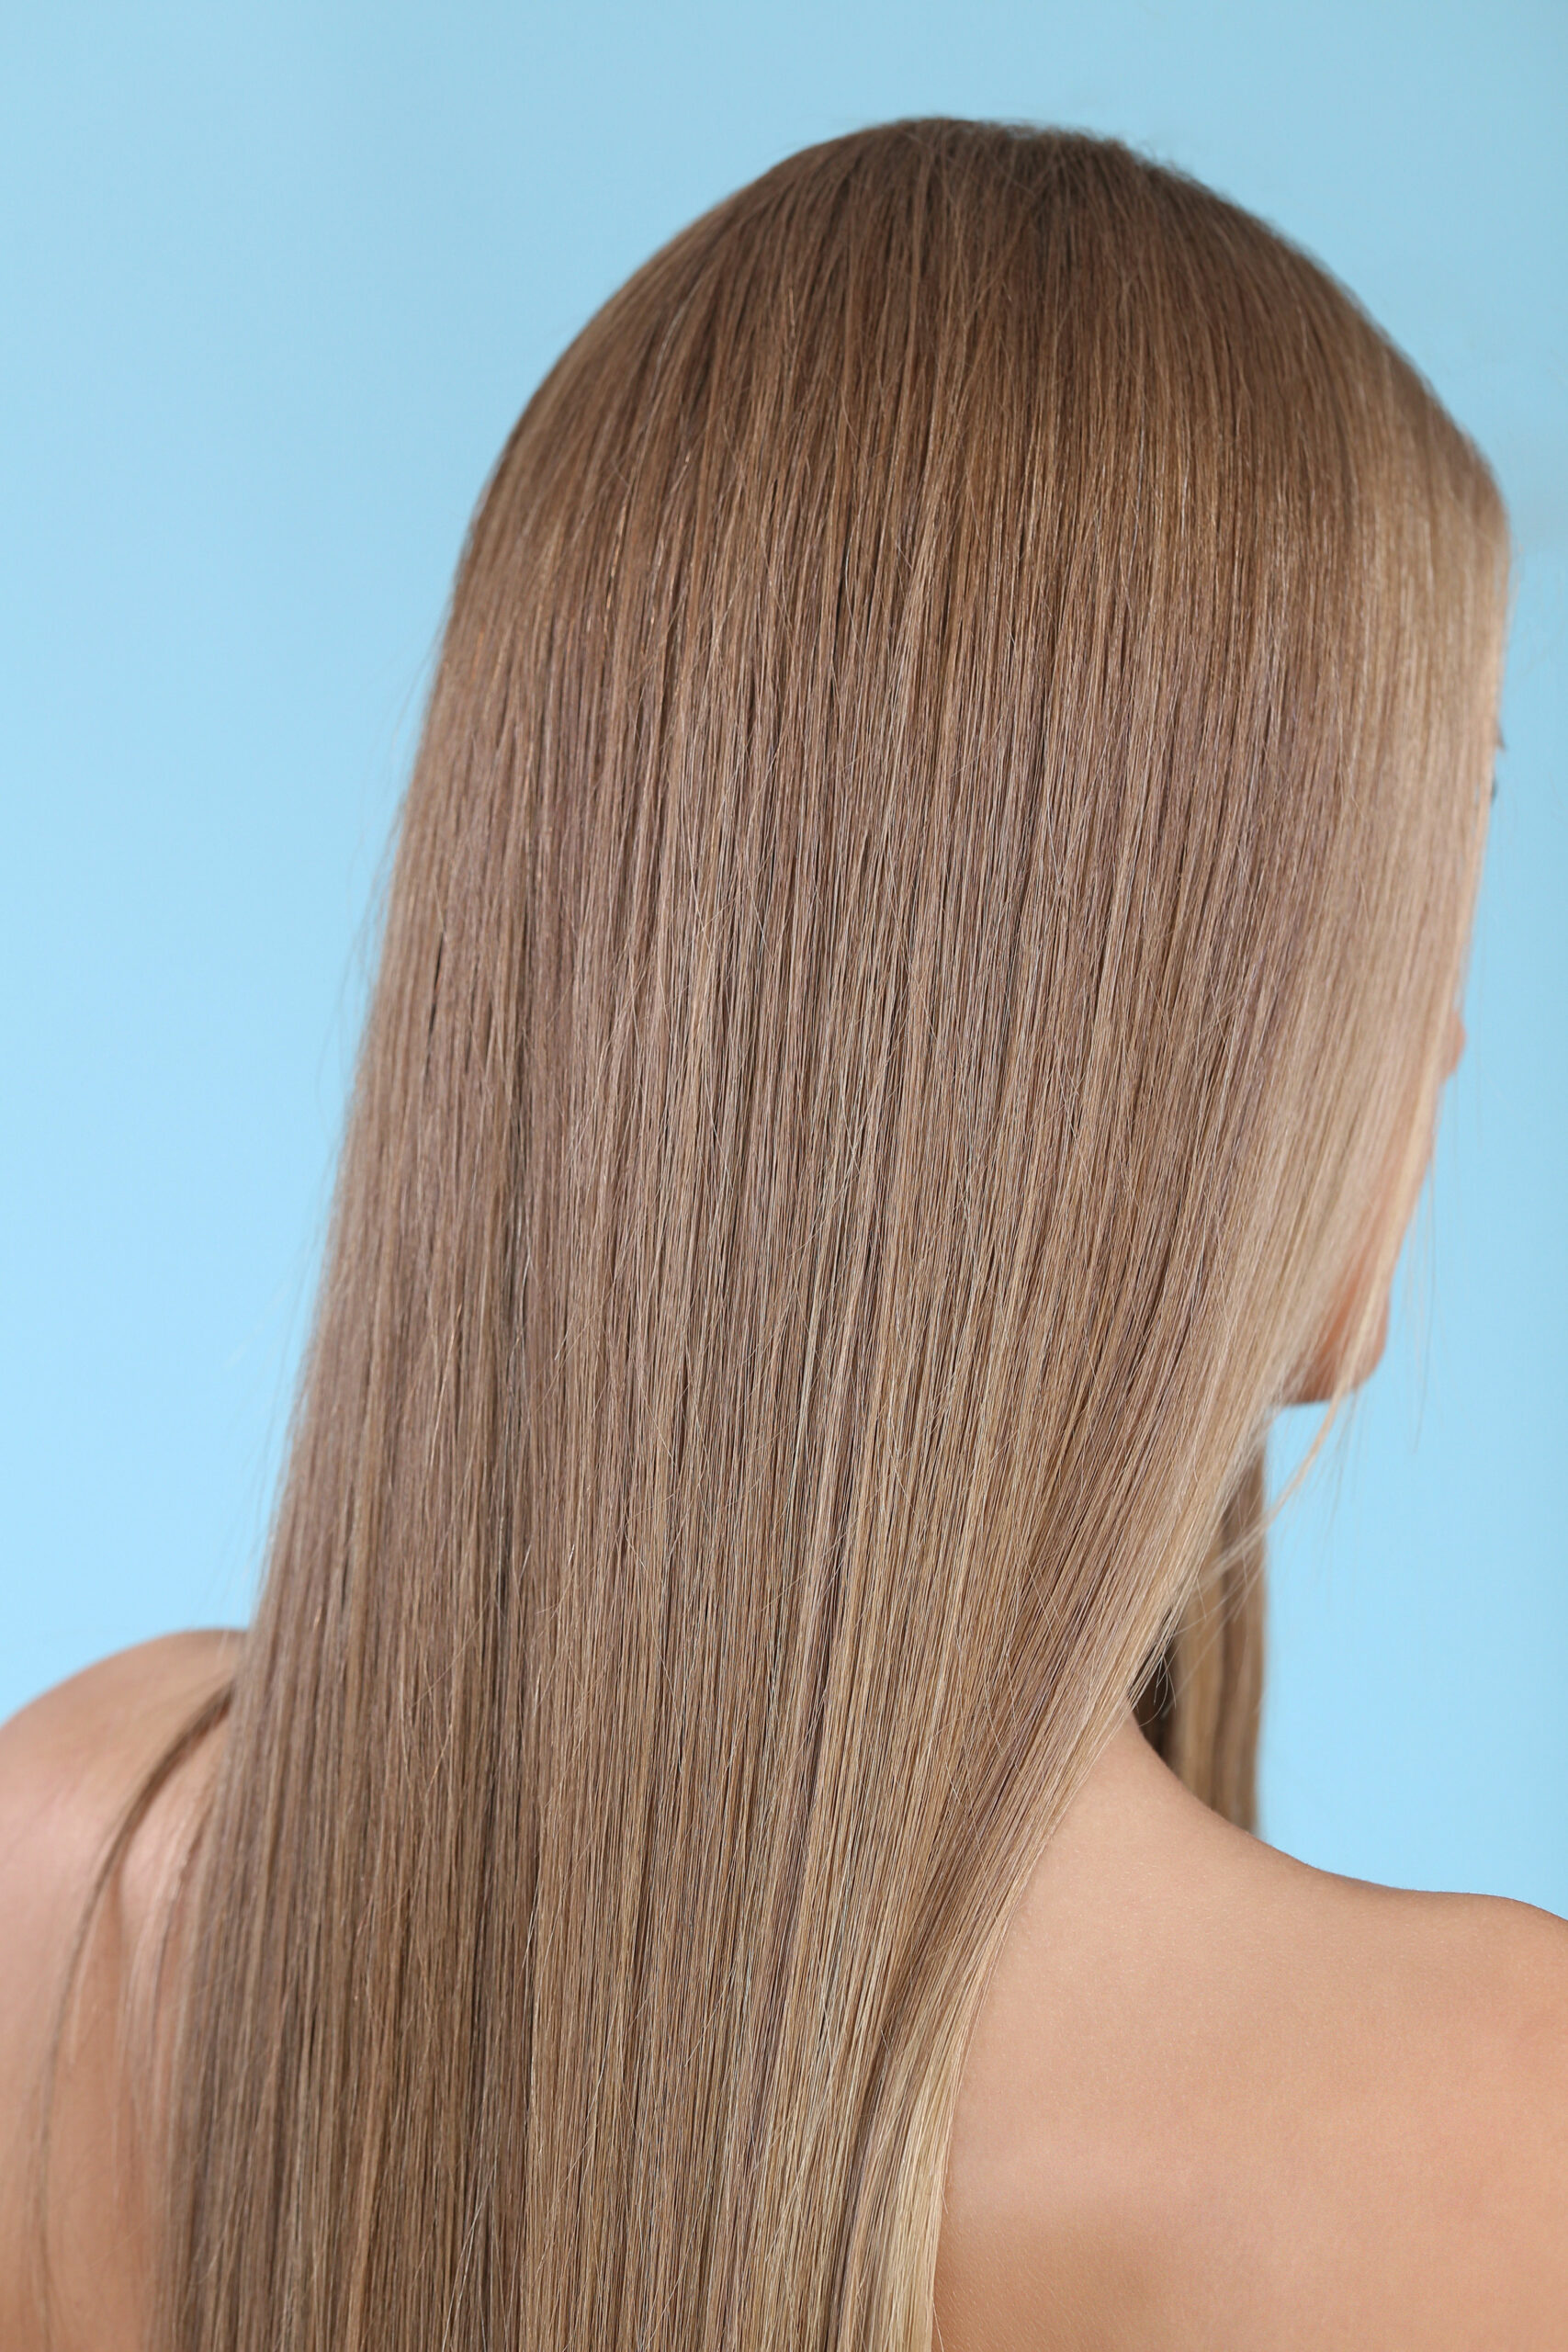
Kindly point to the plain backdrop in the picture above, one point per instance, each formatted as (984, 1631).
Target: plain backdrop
(275, 282)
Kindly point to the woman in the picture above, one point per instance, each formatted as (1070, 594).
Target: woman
(922, 955)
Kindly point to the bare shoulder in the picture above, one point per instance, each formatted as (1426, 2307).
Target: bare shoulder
(71, 1761)
(1430, 2105)
(1502, 1971)
(71, 1758)
(1215, 2099)
(119, 1697)
(1485, 2083)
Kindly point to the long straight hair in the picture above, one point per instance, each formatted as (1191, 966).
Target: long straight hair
(943, 842)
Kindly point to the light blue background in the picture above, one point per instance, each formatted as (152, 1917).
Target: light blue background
(275, 282)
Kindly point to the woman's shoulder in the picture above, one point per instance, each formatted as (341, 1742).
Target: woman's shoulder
(75, 1730)
(1213, 2097)
(1217, 2099)
(72, 1758)
(71, 1762)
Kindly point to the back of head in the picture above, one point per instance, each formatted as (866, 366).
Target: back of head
(941, 851)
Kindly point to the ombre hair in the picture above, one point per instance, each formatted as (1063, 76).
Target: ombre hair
(942, 845)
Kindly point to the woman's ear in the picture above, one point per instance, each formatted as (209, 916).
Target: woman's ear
(1458, 1037)
(1319, 1374)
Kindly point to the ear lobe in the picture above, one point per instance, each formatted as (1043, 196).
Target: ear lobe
(1458, 1037)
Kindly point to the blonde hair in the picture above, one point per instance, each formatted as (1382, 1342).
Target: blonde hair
(941, 851)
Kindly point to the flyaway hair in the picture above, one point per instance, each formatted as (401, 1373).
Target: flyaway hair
(942, 847)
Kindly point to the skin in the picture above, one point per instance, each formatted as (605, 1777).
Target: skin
(68, 1762)
(1213, 2098)
(1217, 2100)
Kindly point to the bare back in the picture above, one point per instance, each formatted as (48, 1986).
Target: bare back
(1214, 2099)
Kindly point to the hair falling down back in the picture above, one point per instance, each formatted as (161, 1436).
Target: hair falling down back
(942, 847)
